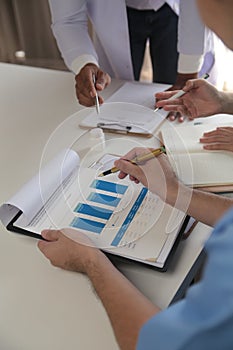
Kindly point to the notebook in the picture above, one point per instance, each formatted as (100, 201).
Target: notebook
(193, 165)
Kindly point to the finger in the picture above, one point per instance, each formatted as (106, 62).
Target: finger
(218, 147)
(132, 178)
(165, 94)
(226, 128)
(128, 168)
(83, 95)
(102, 81)
(85, 84)
(168, 102)
(172, 108)
(213, 139)
(210, 133)
(51, 235)
(171, 116)
(180, 117)
(189, 85)
(86, 101)
(193, 84)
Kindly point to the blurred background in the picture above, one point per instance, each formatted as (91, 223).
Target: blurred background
(26, 38)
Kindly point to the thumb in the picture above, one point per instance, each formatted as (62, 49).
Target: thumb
(189, 85)
(50, 235)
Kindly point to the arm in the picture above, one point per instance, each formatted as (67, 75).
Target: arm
(194, 40)
(126, 307)
(70, 28)
(158, 176)
(129, 310)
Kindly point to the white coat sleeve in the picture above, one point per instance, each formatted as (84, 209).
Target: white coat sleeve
(191, 38)
(70, 28)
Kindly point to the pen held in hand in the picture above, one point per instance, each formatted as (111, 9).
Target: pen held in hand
(137, 160)
(181, 92)
(97, 105)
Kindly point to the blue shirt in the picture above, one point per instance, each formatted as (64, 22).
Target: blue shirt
(204, 319)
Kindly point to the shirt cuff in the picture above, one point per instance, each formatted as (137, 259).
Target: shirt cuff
(81, 61)
(190, 63)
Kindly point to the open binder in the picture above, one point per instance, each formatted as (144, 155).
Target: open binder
(123, 219)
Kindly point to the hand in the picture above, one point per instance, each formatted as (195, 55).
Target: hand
(156, 174)
(85, 88)
(75, 253)
(220, 139)
(201, 100)
(179, 84)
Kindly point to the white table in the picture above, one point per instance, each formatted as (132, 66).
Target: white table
(42, 307)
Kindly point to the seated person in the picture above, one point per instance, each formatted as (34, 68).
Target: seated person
(204, 319)
(205, 313)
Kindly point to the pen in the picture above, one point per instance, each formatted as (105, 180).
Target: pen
(97, 105)
(182, 92)
(137, 160)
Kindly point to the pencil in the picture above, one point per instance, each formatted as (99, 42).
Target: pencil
(137, 160)
(182, 92)
(97, 105)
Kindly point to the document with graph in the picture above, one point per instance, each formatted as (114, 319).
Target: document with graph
(122, 218)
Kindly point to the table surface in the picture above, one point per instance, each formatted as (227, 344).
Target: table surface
(42, 307)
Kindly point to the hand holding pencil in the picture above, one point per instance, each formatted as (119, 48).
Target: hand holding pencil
(154, 173)
(138, 159)
(200, 99)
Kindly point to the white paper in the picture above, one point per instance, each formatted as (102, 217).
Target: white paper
(131, 105)
(34, 194)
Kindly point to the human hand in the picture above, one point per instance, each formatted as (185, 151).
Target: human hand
(75, 253)
(201, 100)
(220, 139)
(179, 84)
(156, 174)
(86, 89)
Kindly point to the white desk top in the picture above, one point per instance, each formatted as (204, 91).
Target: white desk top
(42, 307)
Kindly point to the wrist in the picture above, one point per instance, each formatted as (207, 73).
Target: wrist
(95, 259)
(81, 61)
(180, 196)
(226, 102)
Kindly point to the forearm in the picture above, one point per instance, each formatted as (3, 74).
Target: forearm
(203, 206)
(126, 307)
(227, 102)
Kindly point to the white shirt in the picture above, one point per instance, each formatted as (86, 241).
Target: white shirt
(152, 4)
(145, 4)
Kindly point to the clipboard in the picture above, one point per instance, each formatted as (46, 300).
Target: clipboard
(137, 229)
(124, 118)
(114, 258)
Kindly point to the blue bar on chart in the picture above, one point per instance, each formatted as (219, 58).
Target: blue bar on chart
(93, 210)
(129, 217)
(109, 186)
(103, 199)
(87, 225)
